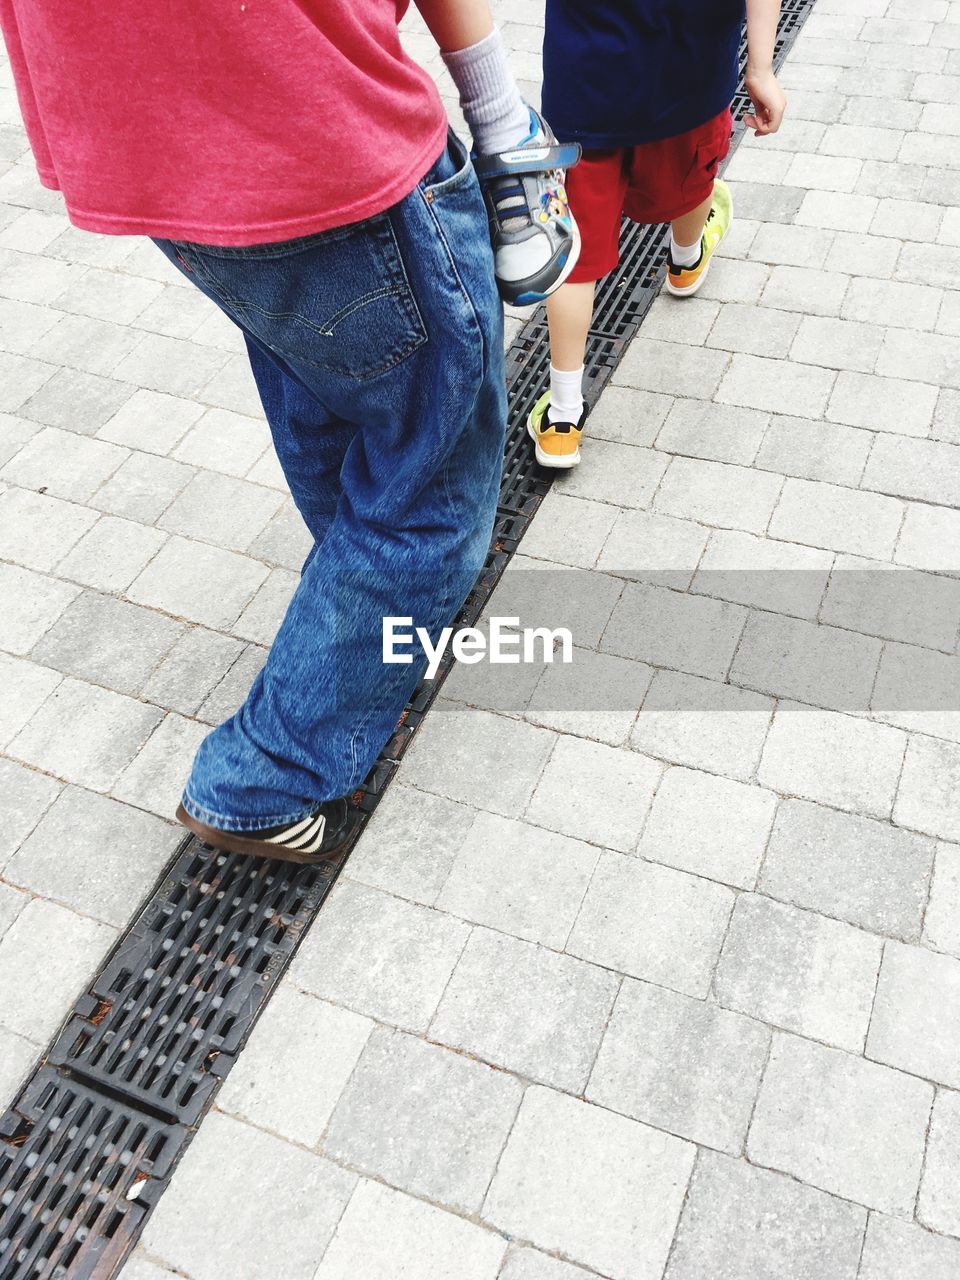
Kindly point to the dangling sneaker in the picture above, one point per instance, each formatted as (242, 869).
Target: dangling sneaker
(683, 282)
(319, 837)
(536, 242)
(557, 443)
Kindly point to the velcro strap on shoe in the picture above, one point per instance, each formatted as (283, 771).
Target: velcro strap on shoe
(529, 160)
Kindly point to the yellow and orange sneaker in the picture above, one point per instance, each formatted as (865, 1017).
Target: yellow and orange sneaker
(683, 282)
(557, 443)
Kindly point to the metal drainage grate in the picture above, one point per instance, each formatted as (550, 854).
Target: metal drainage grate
(94, 1135)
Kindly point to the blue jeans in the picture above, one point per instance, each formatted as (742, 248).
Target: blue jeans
(378, 353)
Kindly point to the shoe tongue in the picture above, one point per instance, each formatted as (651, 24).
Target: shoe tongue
(508, 196)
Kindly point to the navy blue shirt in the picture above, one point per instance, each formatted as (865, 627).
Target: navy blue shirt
(622, 72)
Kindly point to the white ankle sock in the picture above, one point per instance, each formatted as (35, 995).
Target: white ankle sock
(566, 395)
(684, 255)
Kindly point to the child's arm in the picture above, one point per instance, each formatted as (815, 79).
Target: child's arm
(456, 24)
(769, 100)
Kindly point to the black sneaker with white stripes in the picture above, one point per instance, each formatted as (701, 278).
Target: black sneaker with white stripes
(322, 836)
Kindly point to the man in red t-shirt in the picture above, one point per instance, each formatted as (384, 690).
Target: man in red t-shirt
(292, 161)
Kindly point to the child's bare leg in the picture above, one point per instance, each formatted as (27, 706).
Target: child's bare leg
(569, 312)
(688, 231)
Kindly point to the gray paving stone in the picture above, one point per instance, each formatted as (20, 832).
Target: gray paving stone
(106, 730)
(669, 629)
(681, 1065)
(925, 357)
(880, 177)
(629, 416)
(478, 758)
(380, 956)
(14, 434)
(142, 488)
(834, 758)
(292, 1201)
(826, 515)
(108, 295)
(409, 845)
(26, 687)
(734, 280)
(17, 1056)
(703, 724)
(526, 1009)
(653, 923)
(928, 798)
(29, 277)
(866, 255)
(108, 642)
(918, 264)
(24, 798)
(384, 1234)
(231, 691)
(776, 386)
(671, 368)
(196, 663)
(719, 433)
(224, 441)
(261, 619)
(20, 378)
(928, 539)
(782, 577)
(12, 902)
(938, 1206)
(141, 1268)
(37, 531)
(170, 365)
(232, 387)
(519, 879)
(611, 800)
(667, 322)
(570, 530)
(806, 289)
(709, 826)
(179, 313)
(618, 473)
(596, 696)
(900, 305)
(893, 603)
(426, 1120)
(842, 1124)
(928, 470)
(741, 1222)
(66, 948)
(530, 1264)
(646, 546)
(63, 464)
(179, 579)
(309, 1044)
(603, 1190)
(856, 869)
(836, 211)
(941, 923)
(717, 494)
(93, 855)
(815, 450)
(151, 421)
(837, 344)
(112, 554)
(882, 404)
(221, 509)
(807, 662)
(896, 1250)
(155, 778)
(95, 346)
(760, 331)
(799, 971)
(544, 593)
(916, 1018)
(791, 246)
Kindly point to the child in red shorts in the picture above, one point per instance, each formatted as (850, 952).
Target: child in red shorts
(645, 86)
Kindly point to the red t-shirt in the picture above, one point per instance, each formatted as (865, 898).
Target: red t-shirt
(229, 122)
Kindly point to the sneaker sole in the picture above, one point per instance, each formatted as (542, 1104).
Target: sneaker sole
(237, 842)
(695, 288)
(547, 459)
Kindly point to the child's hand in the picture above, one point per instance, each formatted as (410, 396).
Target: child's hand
(769, 101)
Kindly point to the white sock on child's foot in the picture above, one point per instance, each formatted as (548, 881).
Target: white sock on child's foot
(684, 255)
(566, 395)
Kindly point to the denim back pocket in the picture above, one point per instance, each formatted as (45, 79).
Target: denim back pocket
(339, 301)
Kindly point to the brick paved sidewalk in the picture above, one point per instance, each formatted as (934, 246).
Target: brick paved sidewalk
(669, 992)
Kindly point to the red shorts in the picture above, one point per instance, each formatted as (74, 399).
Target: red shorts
(650, 183)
